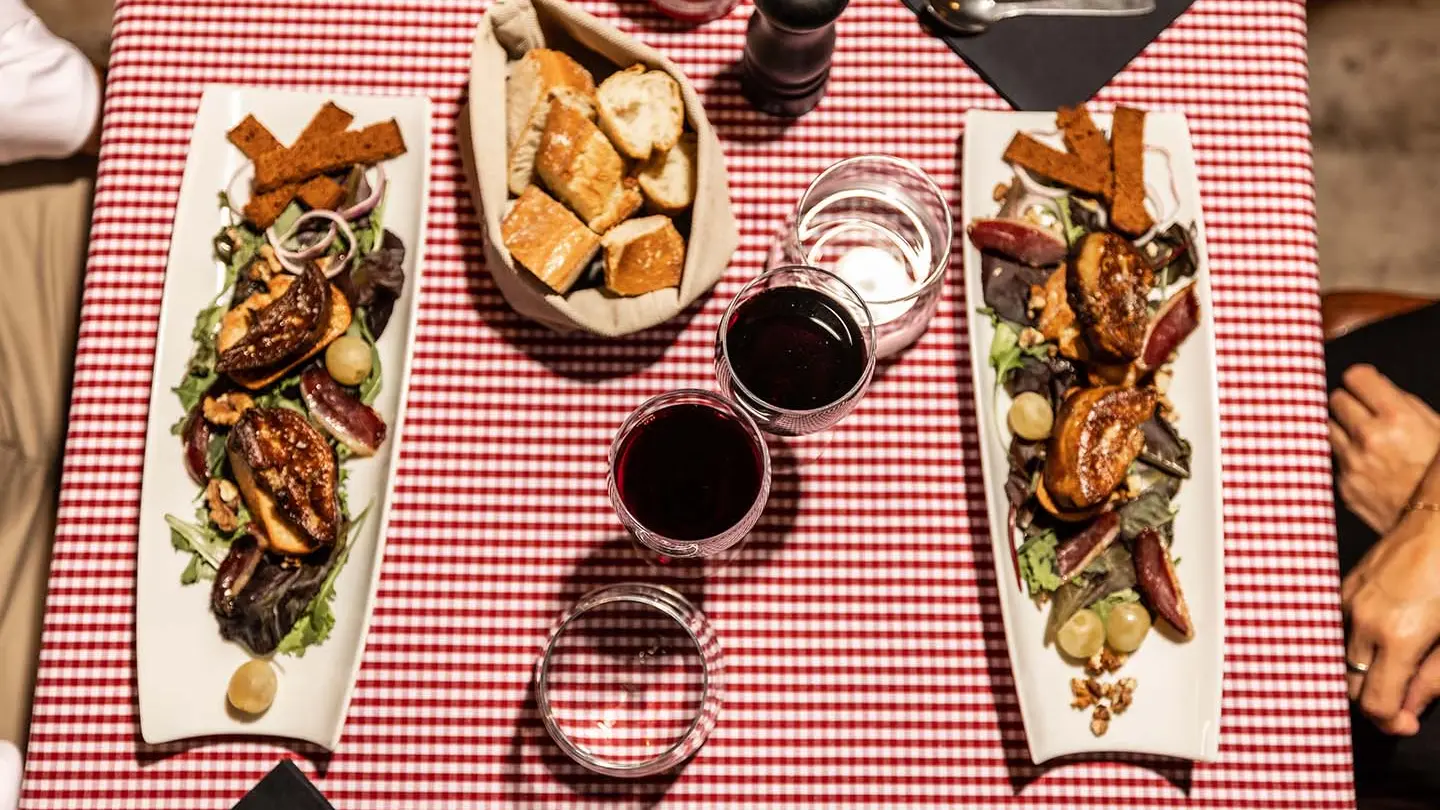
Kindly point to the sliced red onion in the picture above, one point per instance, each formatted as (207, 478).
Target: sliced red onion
(377, 193)
(289, 257)
(1039, 189)
(237, 206)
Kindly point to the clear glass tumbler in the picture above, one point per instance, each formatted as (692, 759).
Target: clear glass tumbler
(796, 350)
(883, 225)
(689, 474)
(630, 681)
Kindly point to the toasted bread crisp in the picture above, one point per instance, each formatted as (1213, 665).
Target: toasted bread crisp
(1082, 137)
(1127, 145)
(1063, 167)
(313, 157)
(253, 140)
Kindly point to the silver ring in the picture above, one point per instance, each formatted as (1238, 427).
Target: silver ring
(1358, 669)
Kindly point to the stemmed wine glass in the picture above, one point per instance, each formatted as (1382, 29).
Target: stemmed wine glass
(796, 350)
(689, 474)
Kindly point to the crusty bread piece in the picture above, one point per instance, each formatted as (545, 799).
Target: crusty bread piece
(1127, 147)
(547, 239)
(583, 170)
(521, 167)
(340, 314)
(643, 255)
(668, 178)
(641, 111)
(531, 79)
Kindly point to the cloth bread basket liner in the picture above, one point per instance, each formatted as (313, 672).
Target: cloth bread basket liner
(507, 31)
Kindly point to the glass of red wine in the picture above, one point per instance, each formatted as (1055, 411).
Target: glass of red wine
(689, 474)
(796, 350)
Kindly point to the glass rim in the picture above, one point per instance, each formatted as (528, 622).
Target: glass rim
(868, 327)
(721, 403)
(681, 611)
(943, 265)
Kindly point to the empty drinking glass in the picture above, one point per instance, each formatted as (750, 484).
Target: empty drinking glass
(882, 224)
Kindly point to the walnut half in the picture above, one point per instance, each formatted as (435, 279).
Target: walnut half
(226, 409)
(223, 498)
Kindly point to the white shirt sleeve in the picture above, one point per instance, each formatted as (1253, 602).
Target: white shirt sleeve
(49, 92)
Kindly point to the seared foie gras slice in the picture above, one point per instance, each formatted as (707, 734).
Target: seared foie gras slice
(288, 477)
(1109, 281)
(285, 321)
(1097, 436)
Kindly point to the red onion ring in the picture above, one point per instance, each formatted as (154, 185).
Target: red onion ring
(287, 256)
(377, 193)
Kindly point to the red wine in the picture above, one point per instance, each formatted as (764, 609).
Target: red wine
(689, 471)
(795, 348)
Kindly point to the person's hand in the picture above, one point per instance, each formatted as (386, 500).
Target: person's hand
(1383, 439)
(1393, 601)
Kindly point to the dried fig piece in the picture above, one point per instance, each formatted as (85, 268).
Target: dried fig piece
(1109, 283)
(1019, 240)
(1155, 574)
(289, 478)
(1177, 318)
(234, 574)
(1079, 551)
(352, 422)
(197, 446)
(1097, 436)
(277, 327)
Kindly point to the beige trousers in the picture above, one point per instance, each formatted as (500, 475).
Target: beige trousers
(44, 220)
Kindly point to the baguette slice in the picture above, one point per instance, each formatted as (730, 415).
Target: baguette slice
(643, 255)
(584, 171)
(641, 111)
(532, 77)
(521, 168)
(547, 239)
(668, 178)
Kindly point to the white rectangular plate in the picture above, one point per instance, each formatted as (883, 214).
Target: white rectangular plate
(1177, 700)
(184, 665)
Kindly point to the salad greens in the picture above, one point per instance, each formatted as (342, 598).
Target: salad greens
(372, 283)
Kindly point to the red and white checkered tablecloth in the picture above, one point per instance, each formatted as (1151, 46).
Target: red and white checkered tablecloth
(866, 658)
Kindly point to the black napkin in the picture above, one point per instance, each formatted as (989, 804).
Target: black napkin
(1040, 63)
(284, 788)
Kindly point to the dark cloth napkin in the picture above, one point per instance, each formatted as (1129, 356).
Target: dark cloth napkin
(284, 788)
(1040, 63)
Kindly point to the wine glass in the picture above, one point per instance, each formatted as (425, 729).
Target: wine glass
(689, 474)
(796, 350)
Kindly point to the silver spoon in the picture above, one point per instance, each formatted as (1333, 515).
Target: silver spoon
(974, 16)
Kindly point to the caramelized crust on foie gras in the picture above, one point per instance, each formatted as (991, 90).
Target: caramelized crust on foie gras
(1097, 437)
(288, 476)
(286, 320)
(1109, 281)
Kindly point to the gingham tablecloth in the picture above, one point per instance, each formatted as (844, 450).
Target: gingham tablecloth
(866, 658)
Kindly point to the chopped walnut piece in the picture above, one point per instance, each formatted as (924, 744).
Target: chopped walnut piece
(1030, 336)
(270, 267)
(221, 511)
(1122, 695)
(1080, 691)
(1000, 191)
(229, 493)
(1100, 721)
(1104, 662)
(226, 408)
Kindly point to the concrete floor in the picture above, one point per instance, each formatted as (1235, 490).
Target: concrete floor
(1375, 102)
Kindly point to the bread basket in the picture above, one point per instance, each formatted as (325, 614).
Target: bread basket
(506, 32)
